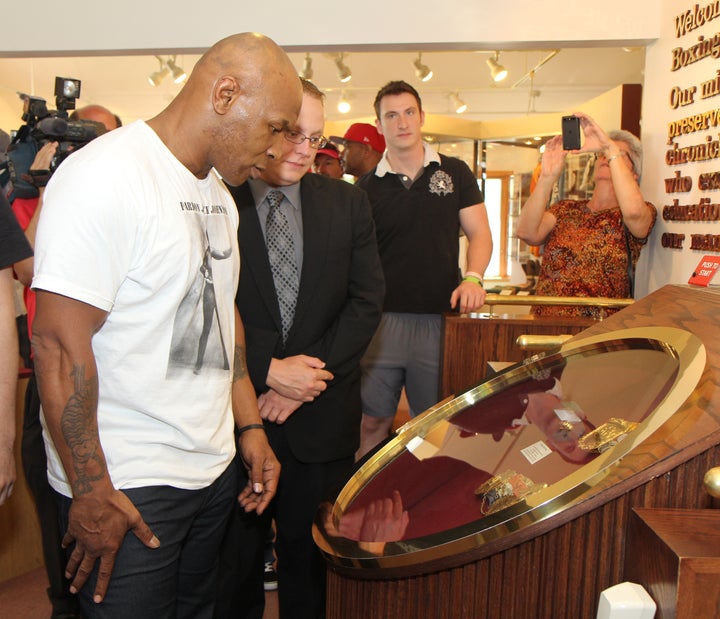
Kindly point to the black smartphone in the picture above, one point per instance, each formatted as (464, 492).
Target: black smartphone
(571, 132)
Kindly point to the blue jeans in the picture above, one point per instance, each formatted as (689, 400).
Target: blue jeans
(176, 580)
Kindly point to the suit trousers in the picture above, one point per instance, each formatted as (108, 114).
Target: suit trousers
(300, 565)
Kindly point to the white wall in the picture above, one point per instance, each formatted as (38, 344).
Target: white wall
(190, 25)
(658, 265)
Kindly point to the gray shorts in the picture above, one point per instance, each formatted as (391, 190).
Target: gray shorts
(405, 352)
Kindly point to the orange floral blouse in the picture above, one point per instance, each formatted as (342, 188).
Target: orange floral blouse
(586, 255)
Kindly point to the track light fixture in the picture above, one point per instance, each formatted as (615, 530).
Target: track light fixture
(157, 76)
(307, 70)
(178, 74)
(167, 66)
(457, 103)
(497, 71)
(422, 70)
(343, 105)
(343, 71)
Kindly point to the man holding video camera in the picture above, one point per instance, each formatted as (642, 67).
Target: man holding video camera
(140, 439)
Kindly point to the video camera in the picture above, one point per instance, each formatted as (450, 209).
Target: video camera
(43, 126)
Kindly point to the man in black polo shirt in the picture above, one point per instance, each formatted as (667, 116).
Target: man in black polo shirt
(420, 200)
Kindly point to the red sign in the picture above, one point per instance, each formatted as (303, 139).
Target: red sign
(705, 271)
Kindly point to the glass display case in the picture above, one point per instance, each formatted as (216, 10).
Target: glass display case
(514, 450)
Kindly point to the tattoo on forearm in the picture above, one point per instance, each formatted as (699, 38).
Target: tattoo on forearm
(79, 427)
(239, 366)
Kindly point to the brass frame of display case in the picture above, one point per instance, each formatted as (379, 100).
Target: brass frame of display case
(466, 543)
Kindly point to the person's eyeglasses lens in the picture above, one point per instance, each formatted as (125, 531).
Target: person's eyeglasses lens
(298, 138)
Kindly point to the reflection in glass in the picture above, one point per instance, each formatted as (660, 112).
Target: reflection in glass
(496, 447)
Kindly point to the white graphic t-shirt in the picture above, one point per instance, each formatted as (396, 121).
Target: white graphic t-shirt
(127, 228)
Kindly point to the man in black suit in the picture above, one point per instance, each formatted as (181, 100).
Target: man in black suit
(307, 324)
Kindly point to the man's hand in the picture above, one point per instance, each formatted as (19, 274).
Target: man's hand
(97, 524)
(299, 378)
(263, 471)
(275, 407)
(44, 157)
(470, 295)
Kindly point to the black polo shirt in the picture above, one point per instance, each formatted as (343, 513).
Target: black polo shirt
(418, 231)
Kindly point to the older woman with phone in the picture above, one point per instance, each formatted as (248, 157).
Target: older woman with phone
(591, 246)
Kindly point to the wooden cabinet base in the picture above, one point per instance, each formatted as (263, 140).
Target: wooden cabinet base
(675, 555)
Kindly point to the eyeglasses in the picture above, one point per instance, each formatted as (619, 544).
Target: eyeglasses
(622, 153)
(298, 138)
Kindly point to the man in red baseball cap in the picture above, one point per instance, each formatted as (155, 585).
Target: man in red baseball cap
(327, 161)
(364, 147)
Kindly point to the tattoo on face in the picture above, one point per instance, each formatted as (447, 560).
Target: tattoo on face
(239, 366)
(79, 428)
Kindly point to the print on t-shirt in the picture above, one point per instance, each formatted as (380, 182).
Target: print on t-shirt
(198, 341)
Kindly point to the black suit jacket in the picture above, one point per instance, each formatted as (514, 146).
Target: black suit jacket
(338, 309)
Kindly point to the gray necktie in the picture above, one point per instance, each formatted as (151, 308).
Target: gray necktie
(281, 253)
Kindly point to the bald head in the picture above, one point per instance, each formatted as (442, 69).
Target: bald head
(239, 54)
(231, 113)
(96, 113)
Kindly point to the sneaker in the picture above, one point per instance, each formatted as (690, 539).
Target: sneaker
(271, 581)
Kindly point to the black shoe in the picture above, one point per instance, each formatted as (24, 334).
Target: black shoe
(271, 582)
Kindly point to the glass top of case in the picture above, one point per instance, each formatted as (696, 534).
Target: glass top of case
(517, 448)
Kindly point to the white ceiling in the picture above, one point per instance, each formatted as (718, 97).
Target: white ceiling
(563, 83)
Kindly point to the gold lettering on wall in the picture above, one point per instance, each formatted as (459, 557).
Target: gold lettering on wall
(705, 242)
(680, 97)
(709, 181)
(704, 48)
(671, 240)
(695, 152)
(704, 211)
(710, 88)
(706, 148)
(691, 124)
(678, 184)
(696, 17)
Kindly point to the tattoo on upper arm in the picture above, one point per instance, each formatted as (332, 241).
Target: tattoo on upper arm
(239, 366)
(79, 428)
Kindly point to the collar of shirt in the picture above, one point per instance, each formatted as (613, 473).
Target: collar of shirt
(430, 155)
(260, 189)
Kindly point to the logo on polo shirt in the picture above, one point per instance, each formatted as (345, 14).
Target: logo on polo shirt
(441, 183)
